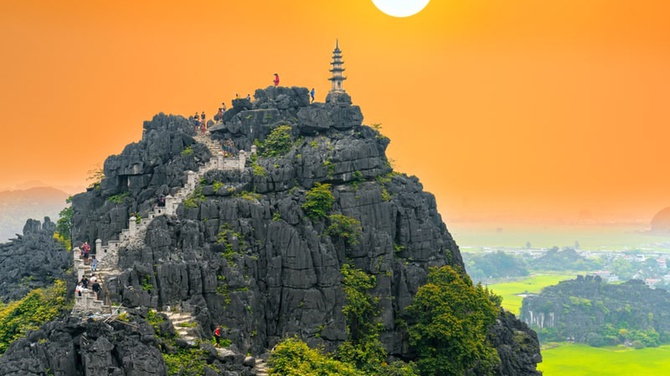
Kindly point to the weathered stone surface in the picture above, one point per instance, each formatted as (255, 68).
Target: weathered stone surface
(134, 179)
(320, 117)
(244, 254)
(32, 261)
(517, 345)
(91, 348)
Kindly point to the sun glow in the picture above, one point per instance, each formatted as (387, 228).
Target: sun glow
(401, 8)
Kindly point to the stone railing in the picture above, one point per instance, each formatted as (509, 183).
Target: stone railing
(107, 255)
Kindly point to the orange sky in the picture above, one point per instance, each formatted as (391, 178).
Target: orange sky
(524, 107)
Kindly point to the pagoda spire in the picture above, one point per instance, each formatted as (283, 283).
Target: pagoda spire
(337, 70)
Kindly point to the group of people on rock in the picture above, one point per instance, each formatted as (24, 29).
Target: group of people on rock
(200, 123)
(85, 286)
(200, 119)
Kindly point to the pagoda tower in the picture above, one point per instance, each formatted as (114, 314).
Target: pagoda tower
(337, 70)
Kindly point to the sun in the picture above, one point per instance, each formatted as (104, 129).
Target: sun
(401, 8)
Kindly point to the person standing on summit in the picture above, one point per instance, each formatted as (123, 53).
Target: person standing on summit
(276, 80)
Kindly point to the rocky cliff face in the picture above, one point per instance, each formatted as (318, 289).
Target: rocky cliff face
(243, 253)
(32, 260)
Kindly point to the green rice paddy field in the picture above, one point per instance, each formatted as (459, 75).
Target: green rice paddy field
(570, 359)
(510, 290)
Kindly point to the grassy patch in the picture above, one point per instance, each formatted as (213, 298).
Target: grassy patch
(187, 151)
(567, 359)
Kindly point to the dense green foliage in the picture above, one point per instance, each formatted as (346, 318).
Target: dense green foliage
(345, 227)
(29, 313)
(453, 317)
(318, 201)
(64, 225)
(363, 347)
(591, 311)
(494, 265)
(292, 357)
(277, 143)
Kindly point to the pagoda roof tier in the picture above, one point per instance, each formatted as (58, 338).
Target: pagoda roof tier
(338, 78)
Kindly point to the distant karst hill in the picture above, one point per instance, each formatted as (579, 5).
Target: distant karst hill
(16, 206)
(660, 224)
(592, 311)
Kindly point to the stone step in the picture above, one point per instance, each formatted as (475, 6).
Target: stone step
(180, 318)
(181, 321)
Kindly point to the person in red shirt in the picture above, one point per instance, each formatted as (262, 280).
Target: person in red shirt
(217, 335)
(276, 80)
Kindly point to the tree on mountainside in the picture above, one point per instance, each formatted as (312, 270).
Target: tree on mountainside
(64, 225)
(453, 317)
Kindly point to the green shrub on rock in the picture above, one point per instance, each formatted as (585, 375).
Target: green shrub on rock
(293, 357)
(278, 142)
(318, 201)
(345, 227)
(29, 313)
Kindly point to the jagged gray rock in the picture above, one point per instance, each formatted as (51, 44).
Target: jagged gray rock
(517, 345)
(241, 252)
(31, 261)
(74, 347)
(134, 179)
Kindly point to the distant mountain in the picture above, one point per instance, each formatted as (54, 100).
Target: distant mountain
(16, 206)
(660, 224)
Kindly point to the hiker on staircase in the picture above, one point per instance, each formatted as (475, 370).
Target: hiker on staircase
(96, 288)
(85, 249)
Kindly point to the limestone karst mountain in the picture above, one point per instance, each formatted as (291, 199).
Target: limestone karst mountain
(248, 239)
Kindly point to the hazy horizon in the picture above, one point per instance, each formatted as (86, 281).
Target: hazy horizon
(530, 111)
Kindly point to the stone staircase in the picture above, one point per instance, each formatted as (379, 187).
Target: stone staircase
(260, 367)
(134, 235)
(188, 333)
(178, 320)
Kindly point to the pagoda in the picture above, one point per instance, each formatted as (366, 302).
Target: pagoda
(337, 70)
